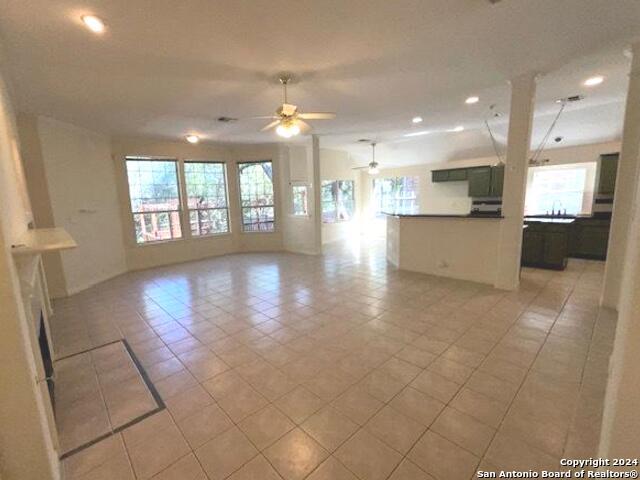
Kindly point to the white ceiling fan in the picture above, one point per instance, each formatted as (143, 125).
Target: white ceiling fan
(373, 165)
(287, 120)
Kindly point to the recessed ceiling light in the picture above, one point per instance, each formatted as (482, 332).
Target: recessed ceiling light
(472, 100)
(192, 138)
(459, 128)
(93, 23)
(416, 119)
(417, 134)
(593, 81)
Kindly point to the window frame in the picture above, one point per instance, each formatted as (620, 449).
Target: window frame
(241, 208)
(132, 214)
(188, 210)
(336, 187)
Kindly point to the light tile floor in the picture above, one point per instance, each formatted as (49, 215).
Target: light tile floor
(282, 366)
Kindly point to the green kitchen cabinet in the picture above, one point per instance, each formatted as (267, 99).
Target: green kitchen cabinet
(608, 173)
(545, 245)
(590, 238)
(439, 175)
(479, 181)
(497, 181)
(458, 175)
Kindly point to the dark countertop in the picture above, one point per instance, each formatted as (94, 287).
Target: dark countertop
(440, 215)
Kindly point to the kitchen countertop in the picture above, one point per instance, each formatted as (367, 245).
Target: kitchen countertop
(440, 215)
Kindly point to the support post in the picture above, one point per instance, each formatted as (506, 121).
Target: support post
(523, 89)
(317, 190)
(628, 166)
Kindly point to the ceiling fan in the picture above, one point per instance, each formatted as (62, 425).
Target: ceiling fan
(287, 120)
(373, 165)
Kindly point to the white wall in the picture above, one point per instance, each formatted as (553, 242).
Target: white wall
(298, 231)
(25, 440)
(451, 197)
(82, 189)
(338, 165)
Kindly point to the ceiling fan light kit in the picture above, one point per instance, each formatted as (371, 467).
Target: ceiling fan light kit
(287, 120)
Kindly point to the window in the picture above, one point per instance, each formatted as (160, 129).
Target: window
(155, 199)
(300, 199)
(395, 195)
(560, 187)
(338, 201)
(206, 188)
(256, 196)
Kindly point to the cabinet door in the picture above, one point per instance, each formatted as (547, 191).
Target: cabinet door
(439, 175)
(457, 175)
(532, 247)
(497, 180)
(555, 248)
(608, 173)
(479, 181)
(593, 241)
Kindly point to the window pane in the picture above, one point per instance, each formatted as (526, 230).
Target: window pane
(153, 185)
(299, 195)
(256, 196)
(329, 201)
(155, 199)
(396, 195)
(206, 185)
(155, 226)
(559, 188)
(258, 219)
(209, 221)
(346, 200)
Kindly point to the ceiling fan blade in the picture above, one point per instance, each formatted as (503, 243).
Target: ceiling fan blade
(359, 168)
(270, 125)
(304, 126)
(261, 117)
(317, 115)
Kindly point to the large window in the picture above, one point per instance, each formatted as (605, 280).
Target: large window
(256, 196)
(338, 201)
(564, 188)
(155, 199)
(395, 195)
(206, 188)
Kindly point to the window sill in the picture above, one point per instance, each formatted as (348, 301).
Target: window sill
(182, 239)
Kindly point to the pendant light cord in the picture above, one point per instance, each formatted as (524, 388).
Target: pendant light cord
(543, 143)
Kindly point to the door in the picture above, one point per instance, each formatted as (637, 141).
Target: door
(479, 181)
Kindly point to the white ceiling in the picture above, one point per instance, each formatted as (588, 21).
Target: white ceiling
(165, 68)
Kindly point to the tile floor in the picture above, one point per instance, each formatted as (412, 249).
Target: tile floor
(339, 367)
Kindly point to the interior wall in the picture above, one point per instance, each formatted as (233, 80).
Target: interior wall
(82, 193)
(187, 249)
(339, 165)
(26, 447)
(452, 197)
(298, 230)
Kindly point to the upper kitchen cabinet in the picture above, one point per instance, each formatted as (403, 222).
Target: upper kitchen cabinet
(479, 181)
(497, 181)
(449, 175)
(608, 172)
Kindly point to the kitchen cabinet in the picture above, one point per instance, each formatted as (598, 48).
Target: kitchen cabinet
(497, 181)
(608, 173)
(545, 245)
(449, 175)
(479, 182)
(589, 238)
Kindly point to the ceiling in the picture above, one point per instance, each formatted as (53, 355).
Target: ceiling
(167, 68)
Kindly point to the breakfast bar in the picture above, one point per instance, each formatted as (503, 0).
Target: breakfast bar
(463, 247)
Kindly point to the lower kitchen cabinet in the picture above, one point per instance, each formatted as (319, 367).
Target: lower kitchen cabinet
(545, 245)
(589, 238)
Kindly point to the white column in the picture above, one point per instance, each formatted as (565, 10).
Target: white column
(628, 165)
(621, 421)
(523, 91)
(317, 186)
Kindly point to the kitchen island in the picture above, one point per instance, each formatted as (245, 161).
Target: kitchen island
(464, 247)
